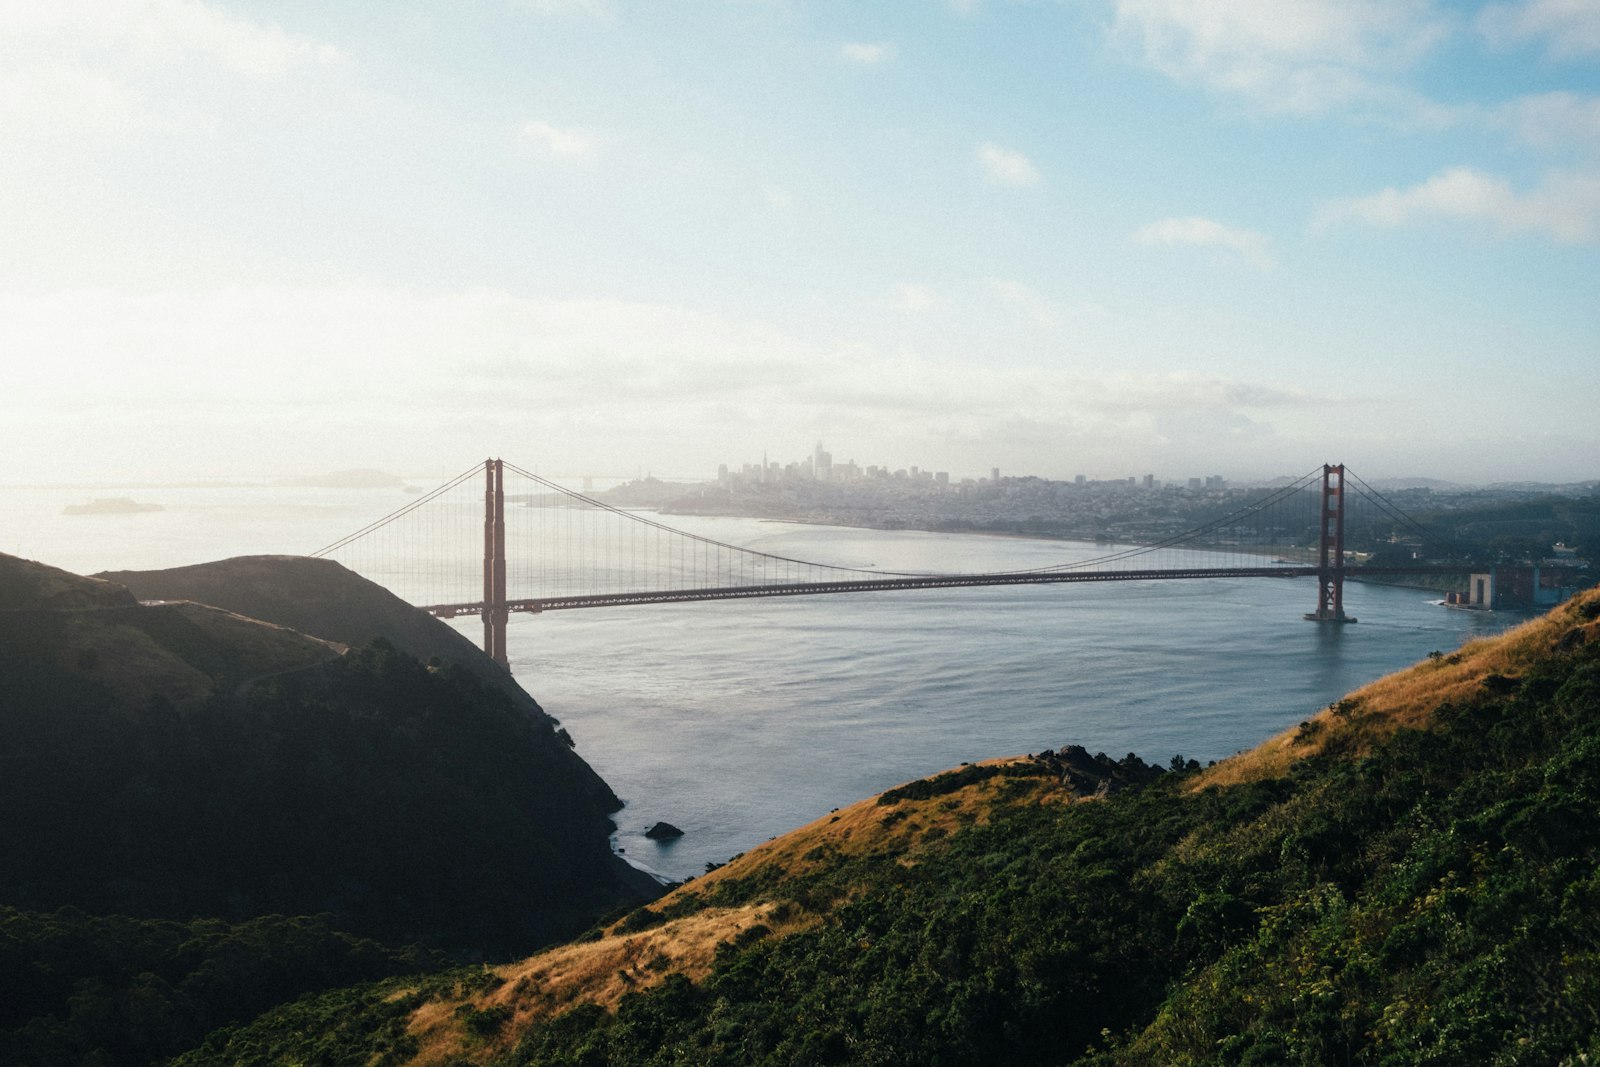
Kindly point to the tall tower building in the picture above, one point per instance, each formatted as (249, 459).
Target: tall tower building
(821, 464)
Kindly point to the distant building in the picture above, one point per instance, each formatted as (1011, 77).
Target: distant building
(1523, 587)
(994, 475)
(822, 464)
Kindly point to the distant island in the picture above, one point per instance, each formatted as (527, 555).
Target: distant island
(114, 505)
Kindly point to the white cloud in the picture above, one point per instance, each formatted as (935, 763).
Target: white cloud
(866, 54)
(1301, 56)
(1028, 301)
(1559, 120)
(1569, 28)
(103, 377)
(1185, 389)
(563, 143)
(1565, 205)
(1002, 166)
(116, 71)
(908, 296)
(1208, 233)
(156, 33)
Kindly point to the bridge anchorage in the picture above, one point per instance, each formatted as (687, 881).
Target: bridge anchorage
(547, 548)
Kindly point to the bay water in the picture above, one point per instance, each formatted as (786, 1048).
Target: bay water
(739, 720)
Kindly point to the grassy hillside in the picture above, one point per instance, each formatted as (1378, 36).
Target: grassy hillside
(163, 762)
(313, 596)
(320, 597)
(26, 585)
(1412, 876)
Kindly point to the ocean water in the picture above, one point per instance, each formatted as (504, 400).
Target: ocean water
(737, 721)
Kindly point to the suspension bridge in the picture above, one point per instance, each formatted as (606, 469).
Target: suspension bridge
(545, 547)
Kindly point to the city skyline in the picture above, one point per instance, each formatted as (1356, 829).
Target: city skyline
(1048, 236)
(813, 466)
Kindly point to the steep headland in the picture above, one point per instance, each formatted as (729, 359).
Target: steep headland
(320, 597)
(199, 774)
(314, 596)
(1412, 876)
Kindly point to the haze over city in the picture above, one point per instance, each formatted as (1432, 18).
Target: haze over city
(597, 235)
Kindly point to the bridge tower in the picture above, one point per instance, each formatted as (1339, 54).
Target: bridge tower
(1330, 548)
(495, 612)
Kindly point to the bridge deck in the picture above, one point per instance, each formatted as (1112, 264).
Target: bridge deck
(932, 581)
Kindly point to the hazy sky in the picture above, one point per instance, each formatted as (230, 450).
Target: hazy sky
(1102, 237)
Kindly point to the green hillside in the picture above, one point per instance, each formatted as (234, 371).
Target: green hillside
(178, 763)
(1410, 877)
(320, 597)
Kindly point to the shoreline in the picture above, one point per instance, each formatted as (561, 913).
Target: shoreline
(1017, 535)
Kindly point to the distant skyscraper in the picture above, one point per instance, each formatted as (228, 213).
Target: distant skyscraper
(994, 475)
(821, 463)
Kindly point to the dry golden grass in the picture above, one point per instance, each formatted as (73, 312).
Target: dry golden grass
(867, 827)
(590, 972)
(1409, 698)
(603, 971)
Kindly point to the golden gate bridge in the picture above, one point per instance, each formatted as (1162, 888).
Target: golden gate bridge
(545, 547)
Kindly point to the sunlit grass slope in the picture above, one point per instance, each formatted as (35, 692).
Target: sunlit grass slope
(1409, 699)
(1412, 877)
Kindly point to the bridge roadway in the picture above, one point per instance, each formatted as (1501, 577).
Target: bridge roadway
(931, 581)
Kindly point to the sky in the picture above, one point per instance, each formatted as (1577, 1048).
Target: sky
(1058, 237)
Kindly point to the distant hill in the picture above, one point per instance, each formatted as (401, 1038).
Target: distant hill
(93, 633)
(321, 597)
(177, 760)
(26, 585)
(314, 596)
(1410, 876)
(1413, 482)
